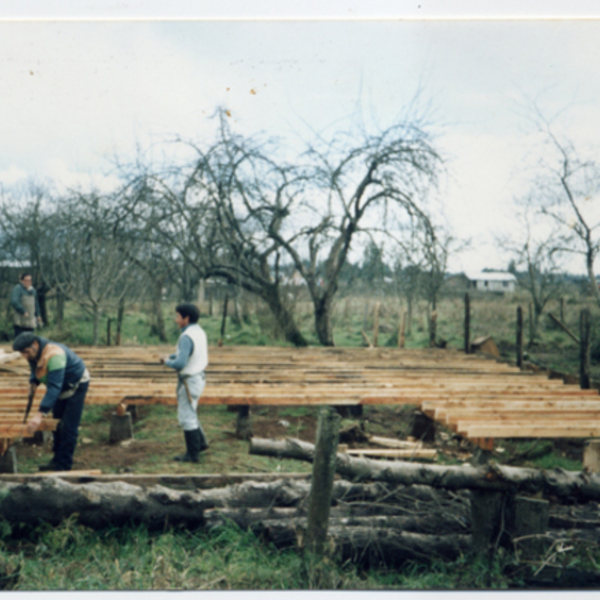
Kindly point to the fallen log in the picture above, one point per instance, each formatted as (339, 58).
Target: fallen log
(178, 481)
(98, 505)
(427, 523)
(370, 545)
(567, 485)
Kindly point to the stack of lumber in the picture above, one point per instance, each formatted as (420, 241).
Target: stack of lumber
(476, 397)
(12, 413)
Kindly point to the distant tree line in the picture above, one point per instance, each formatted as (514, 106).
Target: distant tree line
(234, 210)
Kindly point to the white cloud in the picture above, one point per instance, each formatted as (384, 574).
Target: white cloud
(12, 175)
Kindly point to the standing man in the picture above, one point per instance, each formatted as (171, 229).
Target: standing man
(26, 309)
(190, 361)
(66, 379)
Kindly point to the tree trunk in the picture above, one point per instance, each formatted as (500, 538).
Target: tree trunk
(157, 313)
(41, 294)
(120, 314)
(563, 484)
(283, 317)
(585, 330)
(96, 321)
(60, 308)
(323, 320)
(592, 277)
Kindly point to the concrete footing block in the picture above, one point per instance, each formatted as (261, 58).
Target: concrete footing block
(8, 461)
(121, 428)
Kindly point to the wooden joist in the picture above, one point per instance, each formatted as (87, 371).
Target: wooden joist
(475, 396)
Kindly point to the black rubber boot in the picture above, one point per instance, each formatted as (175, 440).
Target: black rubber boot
(202, 441)
(191, 445)
(51, 466)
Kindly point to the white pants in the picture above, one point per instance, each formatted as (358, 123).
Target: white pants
(186, 412)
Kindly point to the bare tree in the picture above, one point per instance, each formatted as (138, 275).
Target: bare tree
(217, 216)
(241, 215)
(536, 250)
(349, 189)
(569, 188)
(421, 259)
(24, 235)
(88, 264)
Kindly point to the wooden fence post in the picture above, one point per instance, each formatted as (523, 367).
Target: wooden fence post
(376, 323)
(224, 319)
(467, 324)
(562, 309)
(531, 325)
(519, 337)
(486, 520)
(585, 329)
(108, 332)
(321, 486)
(401, 329)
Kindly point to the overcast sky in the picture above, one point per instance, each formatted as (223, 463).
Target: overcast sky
(74, 93)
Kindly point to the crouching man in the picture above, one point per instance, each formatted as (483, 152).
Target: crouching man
(66, 379)
(190, 361)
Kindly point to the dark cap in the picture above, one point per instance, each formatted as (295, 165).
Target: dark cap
(24, 340)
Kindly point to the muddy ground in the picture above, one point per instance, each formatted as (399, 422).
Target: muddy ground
(157, 439)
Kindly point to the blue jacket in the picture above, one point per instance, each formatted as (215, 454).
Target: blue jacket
(56, 366)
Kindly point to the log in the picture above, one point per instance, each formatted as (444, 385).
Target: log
(430, 523)
(97, 505)
(370, 545)
(100, 505)
(567, 485)
(179, 481)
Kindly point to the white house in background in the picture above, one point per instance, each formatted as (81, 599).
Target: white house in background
(492, 282)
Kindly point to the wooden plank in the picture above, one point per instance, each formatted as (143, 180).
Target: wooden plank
(455, 388)
(525, 429)
(8, 357)
(393, 443)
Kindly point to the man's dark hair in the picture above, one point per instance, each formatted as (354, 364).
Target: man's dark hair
(188, 310)
(23, 275)
(24, 340)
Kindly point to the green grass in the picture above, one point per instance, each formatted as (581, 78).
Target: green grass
(553, 460)
(73, 557)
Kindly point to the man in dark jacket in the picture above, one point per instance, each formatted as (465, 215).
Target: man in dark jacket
(66, 379)
(26, 309)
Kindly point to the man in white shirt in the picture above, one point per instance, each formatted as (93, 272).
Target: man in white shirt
(189, 361)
